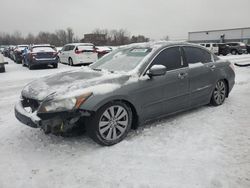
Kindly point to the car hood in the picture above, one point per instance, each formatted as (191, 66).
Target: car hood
(74, 83)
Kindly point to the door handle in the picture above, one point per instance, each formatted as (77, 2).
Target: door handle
(182, 75)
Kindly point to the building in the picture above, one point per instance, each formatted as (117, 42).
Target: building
(97, 39)
(225, 35)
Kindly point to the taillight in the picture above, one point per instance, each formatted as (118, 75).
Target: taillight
(77, 51)
(33, 55)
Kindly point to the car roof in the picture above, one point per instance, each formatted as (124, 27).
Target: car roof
(77, 44)
(160, 44)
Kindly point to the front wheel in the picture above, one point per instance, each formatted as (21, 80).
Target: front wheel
(55, 65)
(71, 62)
(219, 93)
(110, 124)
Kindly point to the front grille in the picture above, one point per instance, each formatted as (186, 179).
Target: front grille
(32, 103)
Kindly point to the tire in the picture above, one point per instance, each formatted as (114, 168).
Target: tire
(219, 94)
(234, 52)
(30, 67)
(23, 64)
(71, 62)
(110, 124)
(2, 69)
(55, 65)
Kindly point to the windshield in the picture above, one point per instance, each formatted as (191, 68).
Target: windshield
(125, 59)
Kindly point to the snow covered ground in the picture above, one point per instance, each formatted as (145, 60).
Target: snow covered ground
(206, 147)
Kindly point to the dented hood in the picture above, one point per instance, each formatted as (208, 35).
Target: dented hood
(74, 83)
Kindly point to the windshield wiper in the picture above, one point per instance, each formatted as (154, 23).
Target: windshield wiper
(111, 71)
(97, 69)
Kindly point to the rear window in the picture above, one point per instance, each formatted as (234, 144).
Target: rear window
(22, 47)
(215, 45)
(85, 48)
(43, 49)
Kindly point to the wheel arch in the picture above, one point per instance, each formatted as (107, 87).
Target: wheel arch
(123, 99)
(227, 85)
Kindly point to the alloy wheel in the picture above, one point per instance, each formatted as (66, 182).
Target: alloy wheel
(113, 123)
(220, 92)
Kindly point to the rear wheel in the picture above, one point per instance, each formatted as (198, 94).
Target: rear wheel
(30, 67)
(110, 124)
(2, 69)
(23, 64)
(55, 65)
(233, 52)
(219, 93)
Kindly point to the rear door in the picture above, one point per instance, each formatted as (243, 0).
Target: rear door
(201, 74)
(86, 54)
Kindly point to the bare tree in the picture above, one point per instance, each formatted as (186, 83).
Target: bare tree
(70, 35)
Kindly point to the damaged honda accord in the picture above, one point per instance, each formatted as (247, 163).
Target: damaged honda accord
(131, 85)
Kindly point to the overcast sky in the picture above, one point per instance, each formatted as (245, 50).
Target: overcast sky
(153, 18)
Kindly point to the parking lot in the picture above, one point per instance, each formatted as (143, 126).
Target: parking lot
(204, 147)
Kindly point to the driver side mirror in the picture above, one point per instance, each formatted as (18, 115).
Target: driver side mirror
(157, 70)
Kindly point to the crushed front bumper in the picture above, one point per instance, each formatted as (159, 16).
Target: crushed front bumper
(49, 122)
(30, 119)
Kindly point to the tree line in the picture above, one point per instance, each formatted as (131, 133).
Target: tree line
(64, 36)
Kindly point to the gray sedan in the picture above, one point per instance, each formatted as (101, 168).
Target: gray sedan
(126, 88)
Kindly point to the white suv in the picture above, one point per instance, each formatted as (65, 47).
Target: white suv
(212, 47)
(78, 53)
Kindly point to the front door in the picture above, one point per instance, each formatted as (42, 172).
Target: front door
(161, 95)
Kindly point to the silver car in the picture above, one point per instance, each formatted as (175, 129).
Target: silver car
(124, 89)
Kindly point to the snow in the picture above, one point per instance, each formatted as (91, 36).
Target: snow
(207, 147)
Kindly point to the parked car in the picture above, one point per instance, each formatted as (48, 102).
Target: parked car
(11, 52)
(2, 64)
(103, 50)
(5, 51)
(212, 47)
(2, 49)
(78, 53)
(37, 55)
(134, 84)
(248, 48)
(237, 48)
(18, 53)
(224, 49)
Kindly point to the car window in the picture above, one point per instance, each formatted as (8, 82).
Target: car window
(170, 57)
(71, 47)
(67, 48)
(196, 55)
(214, 45)
(85, 48)
(63, 49)
(207, 45)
